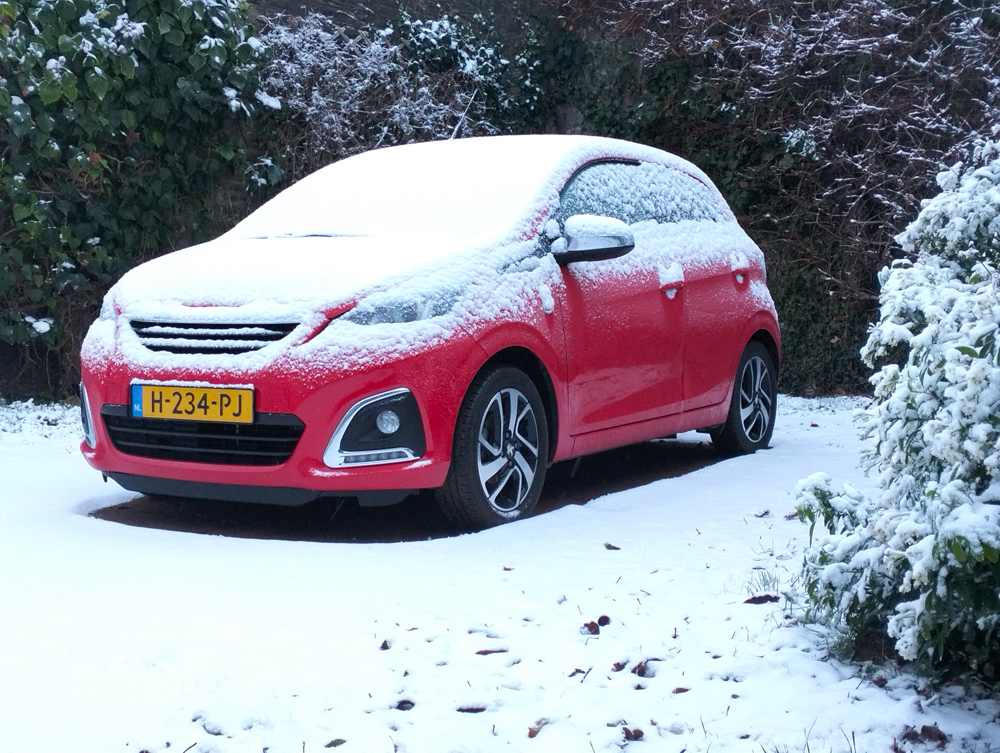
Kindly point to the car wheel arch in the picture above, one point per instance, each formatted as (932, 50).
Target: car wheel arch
(760, 330)
(752, 403)
(766, 339)
(528, 362)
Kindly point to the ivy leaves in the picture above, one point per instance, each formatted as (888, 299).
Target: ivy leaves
(112, 118)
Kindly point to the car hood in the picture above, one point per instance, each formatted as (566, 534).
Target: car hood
(273, 279)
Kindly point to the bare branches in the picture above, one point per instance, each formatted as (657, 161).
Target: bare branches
(882, 88)
(350, 92)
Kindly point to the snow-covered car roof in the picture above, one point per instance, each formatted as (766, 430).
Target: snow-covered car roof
(489, 188)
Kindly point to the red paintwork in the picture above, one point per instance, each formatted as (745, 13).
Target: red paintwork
(624, 344)
(626, 363)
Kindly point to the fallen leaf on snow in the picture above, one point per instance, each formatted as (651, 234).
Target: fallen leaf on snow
(762, 599)
(933, 734)
(927, 733)
(534, 730)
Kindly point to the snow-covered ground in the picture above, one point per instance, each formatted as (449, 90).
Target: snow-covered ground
(117, 638)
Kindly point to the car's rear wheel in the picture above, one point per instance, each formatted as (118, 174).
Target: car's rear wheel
(499, 452)
(750, 421)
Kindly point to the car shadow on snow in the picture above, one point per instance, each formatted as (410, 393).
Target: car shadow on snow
(573, 482)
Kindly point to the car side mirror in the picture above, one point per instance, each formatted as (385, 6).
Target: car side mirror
(589, 237)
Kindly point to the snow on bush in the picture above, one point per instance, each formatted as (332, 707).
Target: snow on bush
(28, 423)
(921, 561)
(822, 123)
(419, 81)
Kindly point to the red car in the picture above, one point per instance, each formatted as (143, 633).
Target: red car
(453, 315)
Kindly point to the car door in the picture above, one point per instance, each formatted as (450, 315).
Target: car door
(623, 318)
(704, 239)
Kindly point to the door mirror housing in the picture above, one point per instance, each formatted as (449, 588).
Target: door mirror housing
(589, 237)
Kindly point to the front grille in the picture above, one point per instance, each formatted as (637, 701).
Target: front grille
(199, 337)
(269, 440)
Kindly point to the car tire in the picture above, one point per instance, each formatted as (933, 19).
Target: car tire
(752, 409)
(500, 452)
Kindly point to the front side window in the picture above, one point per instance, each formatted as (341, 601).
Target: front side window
(637, 192)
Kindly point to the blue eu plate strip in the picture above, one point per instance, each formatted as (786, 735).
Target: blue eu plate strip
(137, 400)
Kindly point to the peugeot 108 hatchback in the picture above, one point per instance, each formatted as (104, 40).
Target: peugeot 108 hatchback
(452, 315)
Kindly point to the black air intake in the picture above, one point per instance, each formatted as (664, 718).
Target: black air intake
(269, 440)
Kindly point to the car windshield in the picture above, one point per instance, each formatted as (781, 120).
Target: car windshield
(477, 188)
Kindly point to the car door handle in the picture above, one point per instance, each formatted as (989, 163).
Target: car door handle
(671, 288)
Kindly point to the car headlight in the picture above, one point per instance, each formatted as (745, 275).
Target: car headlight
(401, 309)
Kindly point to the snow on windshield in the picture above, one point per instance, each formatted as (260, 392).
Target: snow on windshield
(479, 188)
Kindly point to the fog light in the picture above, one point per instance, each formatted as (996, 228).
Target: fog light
(387, 422)
(382, 428)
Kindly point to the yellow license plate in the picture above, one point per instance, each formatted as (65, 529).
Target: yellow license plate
(226, 404)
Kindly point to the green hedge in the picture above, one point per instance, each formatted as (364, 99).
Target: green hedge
(116, 121)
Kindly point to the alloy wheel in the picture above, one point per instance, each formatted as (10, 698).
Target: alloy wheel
(507, 449)
(755, 399)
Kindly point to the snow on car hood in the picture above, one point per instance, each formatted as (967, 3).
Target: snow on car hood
(274, 279)
(437, 286)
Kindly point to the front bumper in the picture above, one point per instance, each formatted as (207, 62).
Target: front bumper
(317, 399)
(267, 495)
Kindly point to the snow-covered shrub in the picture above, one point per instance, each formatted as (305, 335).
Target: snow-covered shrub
(348, 92)
(921, 560)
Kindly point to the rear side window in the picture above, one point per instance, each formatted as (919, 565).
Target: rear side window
(637, 192)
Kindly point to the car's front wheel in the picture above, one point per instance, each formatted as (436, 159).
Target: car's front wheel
(499, 452)
(752, 410)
